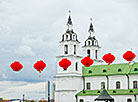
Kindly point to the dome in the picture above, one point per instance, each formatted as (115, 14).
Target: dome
(69, 36)
(91, 41)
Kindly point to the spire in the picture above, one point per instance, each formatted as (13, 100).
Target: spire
(104, 96)
(91, 30)
(69, 23)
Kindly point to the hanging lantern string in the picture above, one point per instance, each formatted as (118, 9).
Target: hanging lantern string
(108, 66)
(129, 56)
(108, 58)
(129, 65)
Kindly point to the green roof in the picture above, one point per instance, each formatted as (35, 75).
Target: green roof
(115, 69)
(111, 92)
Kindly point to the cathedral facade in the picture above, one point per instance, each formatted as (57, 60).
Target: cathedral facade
(84, 84)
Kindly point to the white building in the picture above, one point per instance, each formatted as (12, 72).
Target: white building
(50, 90)
(82, 84)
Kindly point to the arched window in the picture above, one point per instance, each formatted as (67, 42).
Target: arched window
(89, 43)
(96, 54)
(81, 100)
(129, 100)
(88, 52)
(88, 86)
(102, 85)
(66, 49)
(76, 66)
(118, 85)
(119, 70)
(73, 37)
(67, 37)
(93, 43)
(74, 49)
(135, 84)
(62, 37)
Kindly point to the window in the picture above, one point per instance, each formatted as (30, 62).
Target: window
(67, 37)
(102, 85)
(62, 37)
(119, 70)
(104, 70)
(76, 66)
(90, 71)
(96, 43)
(118, 85)
(74, 49)
(131, 91)
(92, 42)
(81, 100)
(73, 37)
(66, 49)
(135, 69)
(135, 84)
(96, 54)
(89, 43)
(88, 86)
(88, 52)
(129, 100)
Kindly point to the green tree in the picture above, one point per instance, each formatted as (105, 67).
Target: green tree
(27, 100)
(1, 99)
(32, 101)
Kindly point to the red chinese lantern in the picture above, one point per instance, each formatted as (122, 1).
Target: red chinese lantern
(108, 58)
(39, 66)
(16, 66)
(129, 56)
(87, 61)
(65, 63)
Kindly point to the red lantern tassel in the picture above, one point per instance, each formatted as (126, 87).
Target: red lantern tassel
(108, 66)
(40, 74)
(129, 65)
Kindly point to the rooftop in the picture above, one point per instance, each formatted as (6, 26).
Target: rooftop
(111, 92)
(115, 69)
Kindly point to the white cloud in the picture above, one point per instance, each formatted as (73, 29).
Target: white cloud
(115, 23)
(24, 50)
(17, 89)
(4, 76)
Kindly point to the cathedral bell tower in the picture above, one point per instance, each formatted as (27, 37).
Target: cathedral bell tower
(69, 82)
(69, 48)
(91, 47)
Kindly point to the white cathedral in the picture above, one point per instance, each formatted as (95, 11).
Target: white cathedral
(85, 84)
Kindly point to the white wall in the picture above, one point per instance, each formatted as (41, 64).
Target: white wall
(52, 91)
(71, 68)
(123, 81)
(92, 52)
(131, 79)
(96, 82)
(70, 47)
(69, 83)
(118, 98)
(65, 96)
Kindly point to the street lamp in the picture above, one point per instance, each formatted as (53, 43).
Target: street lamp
(23, 97)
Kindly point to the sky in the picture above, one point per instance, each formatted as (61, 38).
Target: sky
(30, 30)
